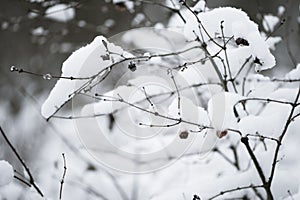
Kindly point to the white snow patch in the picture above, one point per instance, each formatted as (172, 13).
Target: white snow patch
(235, 24)
(200, 6)
(269, 22)
(188, 112)
(39, 31)
(83, 63)
(7, 173)
(294, 74)
(60, 12)
(280, 10)
(220, 109)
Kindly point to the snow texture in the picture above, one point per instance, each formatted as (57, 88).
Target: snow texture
(189, 112)
(294, 74)
(220, 109)
(83, 63)
(236, 23)
(7, 173)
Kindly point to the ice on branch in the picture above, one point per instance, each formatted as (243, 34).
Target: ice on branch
(82, 68)
(7, 173)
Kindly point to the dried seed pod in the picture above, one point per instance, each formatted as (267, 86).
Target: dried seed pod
(132, 66)
(184, 135)
(241, 41)
(221, 134)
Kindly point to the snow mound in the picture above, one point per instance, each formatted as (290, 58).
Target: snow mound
(236, 24)
(88, 62)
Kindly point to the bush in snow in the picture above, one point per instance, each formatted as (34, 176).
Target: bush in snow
(193, 90)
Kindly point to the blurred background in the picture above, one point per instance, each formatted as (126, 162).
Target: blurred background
(32, 39)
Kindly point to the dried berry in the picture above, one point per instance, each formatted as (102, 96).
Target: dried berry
(241, 41)
(184, 135)
(132, 66)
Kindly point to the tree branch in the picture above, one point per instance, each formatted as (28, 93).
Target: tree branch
(63, 176)
(31, 179)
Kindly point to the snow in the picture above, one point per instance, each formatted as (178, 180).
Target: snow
(174, 4)
(39, 31)
(133, 94)
(137, 20)
(269, 22)
(200, 6)
(189, 112)
(83, 63)
(294, 74)
(205, 172)
(129, 4)
(60, 13)
(220, 109)
(259, 85)
(236, 23)
(261, 52)
(7, 173)
(272, 41)
(280, 10)
(272, 119)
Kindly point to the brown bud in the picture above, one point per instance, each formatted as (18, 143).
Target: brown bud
(221, 134)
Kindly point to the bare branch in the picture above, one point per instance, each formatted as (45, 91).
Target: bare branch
(234, 190)
(31, 179)
(285, 129)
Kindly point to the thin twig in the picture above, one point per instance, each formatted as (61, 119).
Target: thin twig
(289, 120)
(22, 181)
(63, 176)
(234, 190)
(261, 174)
(31, 179)
(177, 91)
